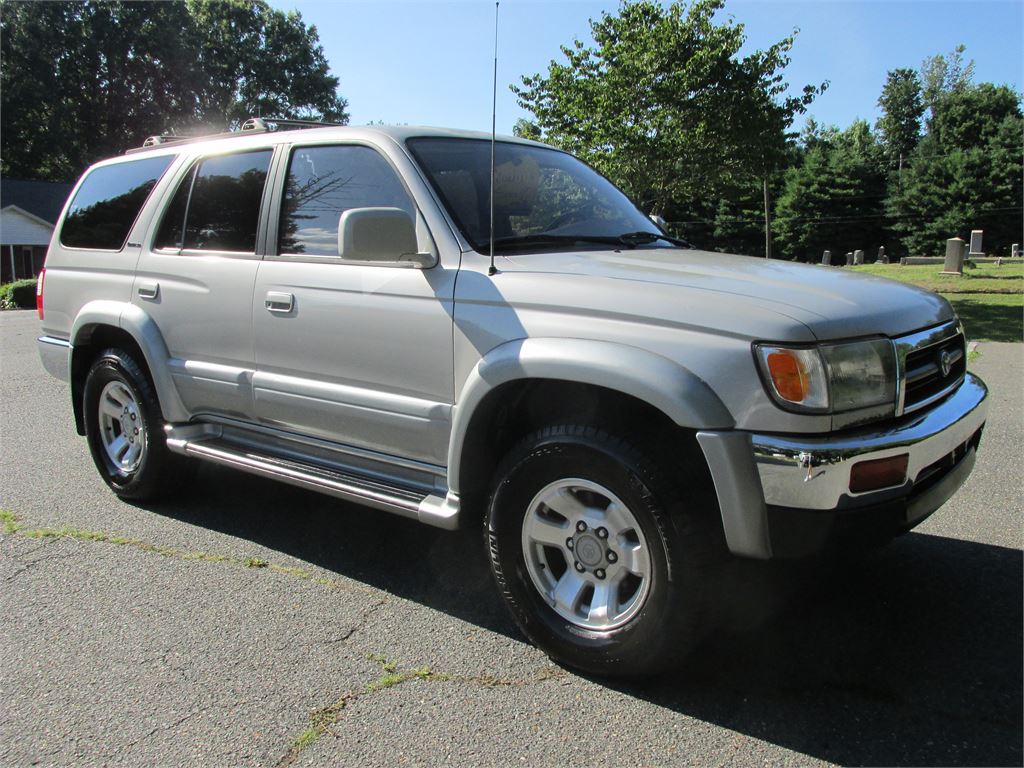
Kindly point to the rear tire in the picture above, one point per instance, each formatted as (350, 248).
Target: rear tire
(598, 554)
(125, 430)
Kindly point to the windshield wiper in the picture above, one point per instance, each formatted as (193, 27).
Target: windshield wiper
(515, 241)
(630, 239)
(642, 238)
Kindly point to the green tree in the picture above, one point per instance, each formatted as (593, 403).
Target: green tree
(834, 200)
(664, 104)
(80, 81)
(902, 109)
(965, 174)
(942, 75)
(526, 129)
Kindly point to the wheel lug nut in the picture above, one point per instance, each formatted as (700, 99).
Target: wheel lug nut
(581, 526)
(602, 533)
(579, 567)
(136, 430)
(599, 573)
(569, 543)
(610, 556)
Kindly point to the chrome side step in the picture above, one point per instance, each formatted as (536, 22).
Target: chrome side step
(208, 444)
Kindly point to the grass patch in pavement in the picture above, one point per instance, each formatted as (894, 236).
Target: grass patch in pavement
(12, 526)
(322, 721)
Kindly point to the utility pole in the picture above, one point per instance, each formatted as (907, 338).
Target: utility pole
(767, 223)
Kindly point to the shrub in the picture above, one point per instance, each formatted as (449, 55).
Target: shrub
(18, 295)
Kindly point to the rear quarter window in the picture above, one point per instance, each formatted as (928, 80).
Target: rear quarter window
(109, 200)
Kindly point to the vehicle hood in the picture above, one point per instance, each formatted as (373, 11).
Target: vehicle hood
(831, 302)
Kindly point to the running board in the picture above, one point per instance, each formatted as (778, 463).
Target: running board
(432, 509)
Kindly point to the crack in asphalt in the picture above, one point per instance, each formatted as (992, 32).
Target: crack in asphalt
(19, 557)
(119, 751)
(322, 721)
(12, 526)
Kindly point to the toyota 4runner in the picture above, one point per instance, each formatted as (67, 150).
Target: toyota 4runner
(617, 409)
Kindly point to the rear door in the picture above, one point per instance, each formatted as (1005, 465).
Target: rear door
(195, 278)
(355, 353)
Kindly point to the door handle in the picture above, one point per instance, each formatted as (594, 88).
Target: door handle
(279, 302)
(149, 290)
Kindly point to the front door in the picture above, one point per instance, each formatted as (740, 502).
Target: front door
(355, 353)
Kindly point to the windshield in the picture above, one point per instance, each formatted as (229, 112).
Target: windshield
(544, 199)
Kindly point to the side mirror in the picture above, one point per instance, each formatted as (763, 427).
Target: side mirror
(662, 224)
(386, 235)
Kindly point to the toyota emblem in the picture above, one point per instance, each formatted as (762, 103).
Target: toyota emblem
(946, 362)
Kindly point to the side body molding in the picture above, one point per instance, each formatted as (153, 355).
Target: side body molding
(140, 327)
(664, 384)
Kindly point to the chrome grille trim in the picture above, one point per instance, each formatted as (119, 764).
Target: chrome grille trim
(918, 342)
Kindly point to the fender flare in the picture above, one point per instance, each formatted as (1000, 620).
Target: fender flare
(662, 383)
(142, 328)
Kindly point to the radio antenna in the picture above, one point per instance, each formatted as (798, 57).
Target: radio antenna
(494, 112)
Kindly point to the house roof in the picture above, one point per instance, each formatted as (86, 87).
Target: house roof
(43, 199)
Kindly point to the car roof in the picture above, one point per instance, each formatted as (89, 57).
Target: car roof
(242, 139)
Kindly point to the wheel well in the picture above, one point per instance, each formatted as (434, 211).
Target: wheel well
(515, 409)
(88, 345)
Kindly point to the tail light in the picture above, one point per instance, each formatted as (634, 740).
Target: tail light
(39, 292)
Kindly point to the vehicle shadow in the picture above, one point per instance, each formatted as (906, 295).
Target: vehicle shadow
(910, 656)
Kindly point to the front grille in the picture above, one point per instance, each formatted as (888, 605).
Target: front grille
(932, 371)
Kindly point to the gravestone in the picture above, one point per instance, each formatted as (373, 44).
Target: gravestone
(976, 243)
(858, 257)
(849, 258)
(882, 257)
(1015, 250)
(954, 265)
(826, 258)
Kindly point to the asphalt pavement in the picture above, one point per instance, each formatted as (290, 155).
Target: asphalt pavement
(250, 623)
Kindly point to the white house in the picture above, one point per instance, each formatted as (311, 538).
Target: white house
(28, 212)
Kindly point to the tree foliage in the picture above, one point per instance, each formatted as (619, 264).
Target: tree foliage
(81, 81)
(834, 199)
(902, 110)
(965, 174)
(664, 104)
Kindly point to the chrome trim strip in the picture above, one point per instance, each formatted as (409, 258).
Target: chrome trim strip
(814, 472)
(326, 446)
(440, 509)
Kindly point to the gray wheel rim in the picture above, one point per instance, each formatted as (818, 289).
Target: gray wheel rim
(586, 554)
(122, 431)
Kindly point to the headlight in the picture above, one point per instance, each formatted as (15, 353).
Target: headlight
(830, 377)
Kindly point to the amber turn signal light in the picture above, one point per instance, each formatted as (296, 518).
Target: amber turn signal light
(788, 376)
(878, 473)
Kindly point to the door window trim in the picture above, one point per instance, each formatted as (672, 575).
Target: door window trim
(189, 166)
(272, 252)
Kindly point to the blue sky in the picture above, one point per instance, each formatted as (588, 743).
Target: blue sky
(425, 62)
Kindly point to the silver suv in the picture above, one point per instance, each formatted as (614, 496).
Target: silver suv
(618, 410)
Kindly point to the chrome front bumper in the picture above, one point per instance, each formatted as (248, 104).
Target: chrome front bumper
(754, 473)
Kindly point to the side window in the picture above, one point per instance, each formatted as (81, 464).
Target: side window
(217, 205)
(323, 183)
(108, 202)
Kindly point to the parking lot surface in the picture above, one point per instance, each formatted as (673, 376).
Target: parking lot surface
(250, 623)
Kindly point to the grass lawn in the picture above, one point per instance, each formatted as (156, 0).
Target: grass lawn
(989, 299)
(985, 278)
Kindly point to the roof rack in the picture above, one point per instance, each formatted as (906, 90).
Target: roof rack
(252, 125)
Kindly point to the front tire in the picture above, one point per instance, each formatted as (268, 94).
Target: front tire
(125, 431)
(598, 556)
